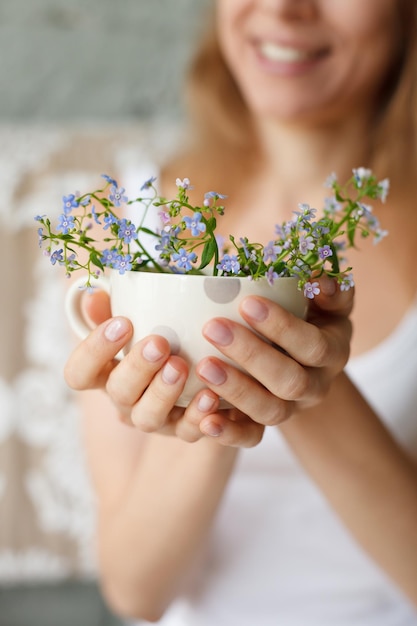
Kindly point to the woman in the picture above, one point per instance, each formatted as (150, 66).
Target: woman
(316, 524)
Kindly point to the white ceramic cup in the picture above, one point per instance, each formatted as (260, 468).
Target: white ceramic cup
(177, 306)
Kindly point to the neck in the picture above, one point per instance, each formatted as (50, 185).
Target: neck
(300, 159)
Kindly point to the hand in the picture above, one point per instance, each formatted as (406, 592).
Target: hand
(145, 384)
(275, 382)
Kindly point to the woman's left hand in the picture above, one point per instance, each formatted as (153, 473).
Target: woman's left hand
(295, 372)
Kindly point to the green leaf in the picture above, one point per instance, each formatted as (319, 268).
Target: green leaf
(95, 260)
(208, 253)
(334, 259)
(211, 224)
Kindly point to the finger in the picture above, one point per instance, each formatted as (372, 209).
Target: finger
(96, 306)
(282, 375)
(242, 432)
(128, 381)
(93, 359)
(152, 412)
(324, 344)
(331, 299)
(245, 393)
(188, 426)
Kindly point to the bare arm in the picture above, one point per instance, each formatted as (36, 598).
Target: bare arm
(365, 475)
(157, 497)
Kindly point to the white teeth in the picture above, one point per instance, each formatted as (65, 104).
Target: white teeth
(273, 52)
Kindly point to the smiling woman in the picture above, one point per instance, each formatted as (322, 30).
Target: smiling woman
(333, 62)
(316, 524)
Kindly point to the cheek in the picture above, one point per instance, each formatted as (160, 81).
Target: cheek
(369, 48)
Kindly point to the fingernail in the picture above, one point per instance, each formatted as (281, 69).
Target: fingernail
(151, 352)
(211, 429)
(206, 403)
(218, 333)
(254, 308)
(212, 373)
(327, 285)
(170, 375)
(116, 329)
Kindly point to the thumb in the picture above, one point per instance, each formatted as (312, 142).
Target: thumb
(96, 306)
(331, 299)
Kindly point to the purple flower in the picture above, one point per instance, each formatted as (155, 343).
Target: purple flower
(331, 180)
(86, 201)
(69, 203)
(57, 256)
(123, 263)
(271, 275)
(110, 180)
(347, 282)
(183, 184)
(363, 210)
(220, 240)
(116, 195)
(127, 230)
(165, 243)
(184, 259)
(306, 244)
(300, 267)
(271, 251)
(379, 235)
(66, 223)
(383, 188)
(331, 205)
(212, 195)
(361, 175)
(279, 230)
(194, 224)
(325, 252)
(164, 216)
(95, 216)
(109, 220)
(306, 212)
(311, 290)
(40, 237)
(229, 264)
(148, 183)
(109, 257)
(319, 230)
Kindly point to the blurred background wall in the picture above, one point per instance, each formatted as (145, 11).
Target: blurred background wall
(94, 60)
(84, 85)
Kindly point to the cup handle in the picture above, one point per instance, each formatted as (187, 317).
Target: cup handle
(73, 309)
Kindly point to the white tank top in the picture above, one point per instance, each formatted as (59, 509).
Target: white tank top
(277, 555)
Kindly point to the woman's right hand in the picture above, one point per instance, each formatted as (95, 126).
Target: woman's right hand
(145, 385)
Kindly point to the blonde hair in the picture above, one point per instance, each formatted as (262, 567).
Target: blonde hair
(221, 125)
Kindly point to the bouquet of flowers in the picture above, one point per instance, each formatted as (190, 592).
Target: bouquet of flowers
(185, 240)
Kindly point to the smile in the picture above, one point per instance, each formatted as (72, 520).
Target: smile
(286, 54)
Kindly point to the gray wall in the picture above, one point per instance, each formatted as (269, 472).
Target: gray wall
(94, 60)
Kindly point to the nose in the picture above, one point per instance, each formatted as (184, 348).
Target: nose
(292, 9)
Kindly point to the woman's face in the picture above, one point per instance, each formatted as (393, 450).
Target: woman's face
(309, 59)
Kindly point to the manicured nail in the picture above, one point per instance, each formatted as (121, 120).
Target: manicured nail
(151, 352)
(218, 333)
(255, 309)
(211, 429)
(206, 403)
(327, 286)
(170, 375)
(212, 373)
(116, 329)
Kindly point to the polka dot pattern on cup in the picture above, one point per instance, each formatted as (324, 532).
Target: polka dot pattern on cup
(221, 291)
